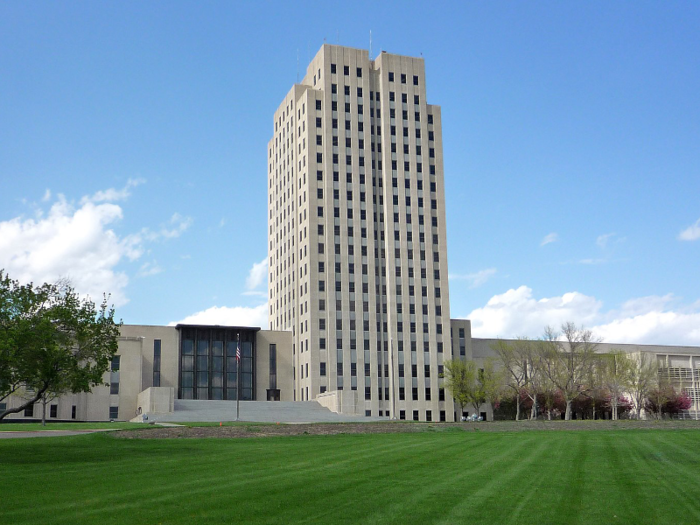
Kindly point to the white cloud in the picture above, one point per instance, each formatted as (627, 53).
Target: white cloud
(516, 312)
(549, 238)
(644, 320)
(257, 275)
(175, 227)
(75, 243)
(149, 268)
(78, 242)
(603, 240)
(691, 233)
(474, 279)
(228, 316)
(592, 261)
(47, 196)
(112, 194)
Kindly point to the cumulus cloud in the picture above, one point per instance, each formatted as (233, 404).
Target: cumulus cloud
(549, 238)
(644, 320)
(691, 233)
(79, 242)
(474, 279)
(257, 275)
(75, 243)
(516, 312)
(228, 316)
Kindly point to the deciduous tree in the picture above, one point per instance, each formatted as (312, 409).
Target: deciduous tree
(51, 341)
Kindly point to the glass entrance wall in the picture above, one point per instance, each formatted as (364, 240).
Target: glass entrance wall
(208, 365)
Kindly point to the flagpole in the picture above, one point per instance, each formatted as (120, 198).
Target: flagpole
(238, 376)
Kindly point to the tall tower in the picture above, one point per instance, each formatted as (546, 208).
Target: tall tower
(357, 244)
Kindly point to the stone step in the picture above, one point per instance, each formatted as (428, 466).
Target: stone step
(255, 411)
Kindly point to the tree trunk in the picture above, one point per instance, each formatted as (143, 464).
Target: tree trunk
(18, 409)
(517, 408)
(567, 415)
(43, 412)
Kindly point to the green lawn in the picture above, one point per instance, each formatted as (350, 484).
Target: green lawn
(24, 427)
(538, 477)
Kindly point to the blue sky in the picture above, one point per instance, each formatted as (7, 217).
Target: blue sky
(133, 137)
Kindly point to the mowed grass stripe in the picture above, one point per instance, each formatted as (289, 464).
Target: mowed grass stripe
(442, 477)
(673, 472)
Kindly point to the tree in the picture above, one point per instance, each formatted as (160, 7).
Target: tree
(567, 363)
(514, 357)
(51, 341)
(643, 378)
(459, 377)
(469, 385)
(490, 381)
(616, 370)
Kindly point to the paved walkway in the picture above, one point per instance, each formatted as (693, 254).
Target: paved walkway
(11, 434)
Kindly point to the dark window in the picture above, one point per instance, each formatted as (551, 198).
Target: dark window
(318, 104)
(391, 76)
(115, 363)
(114, 387)
(29, 411)
(415, 82)
(156, 362)
(333, 68)
(346, 70)
(113, 412)
(53, 411)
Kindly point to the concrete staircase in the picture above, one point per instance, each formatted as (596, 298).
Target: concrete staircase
(255, 411)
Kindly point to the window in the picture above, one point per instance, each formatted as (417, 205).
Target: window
(114, 387)
(318, 104)
(74, 412)
(156, 362)
(333, 68)
(318, 122)
(53, 411)
(322, 286)
(391, 76)
(359, 72)
(403, 78)
(346, 70)
(115, 363)
(113, 412)
(29, 411)
(415, 82)
(322, 368)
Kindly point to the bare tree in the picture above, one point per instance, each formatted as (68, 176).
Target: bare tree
(643, 378)
(516, 360)
(615, 369)
(567, 363)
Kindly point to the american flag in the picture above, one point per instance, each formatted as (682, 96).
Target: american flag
(238, 350)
